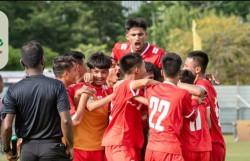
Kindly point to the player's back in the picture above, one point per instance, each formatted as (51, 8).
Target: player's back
(216, 134)
(168, 104)
(195, 135)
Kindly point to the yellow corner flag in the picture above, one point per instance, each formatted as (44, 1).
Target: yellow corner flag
(196, 38)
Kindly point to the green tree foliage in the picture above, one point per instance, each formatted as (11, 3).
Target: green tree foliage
(90, 49)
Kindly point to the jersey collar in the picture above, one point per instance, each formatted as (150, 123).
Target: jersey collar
(167, 82)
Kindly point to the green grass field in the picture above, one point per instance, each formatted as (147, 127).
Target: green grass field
(236, 151)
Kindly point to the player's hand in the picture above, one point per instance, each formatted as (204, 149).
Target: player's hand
(200, 99)
(70, 152)
(11, 157)
(84, 89)
(213, 77)
(88, 77)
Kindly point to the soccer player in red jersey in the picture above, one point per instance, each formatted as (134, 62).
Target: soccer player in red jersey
(195, 136)
(197, 62)
(136, 36)
(89, 132)
(123, 138)
(168, 106)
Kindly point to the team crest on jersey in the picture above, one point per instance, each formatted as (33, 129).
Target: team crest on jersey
(155, 50)
(124, 46)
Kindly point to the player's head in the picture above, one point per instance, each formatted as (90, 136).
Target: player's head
(64, 68)
(150, 70)
(114, 71)
(171, 65)
(132, 63)
(196, 62)
(99, 65)
(187, 77)
(80, 65)
(32, 55)
(136, 33)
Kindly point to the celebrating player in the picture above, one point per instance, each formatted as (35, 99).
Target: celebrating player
(136, 36)
(123, 138)
(197, 62)
(195, 137)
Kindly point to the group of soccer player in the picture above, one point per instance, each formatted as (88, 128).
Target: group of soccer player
(158, 112)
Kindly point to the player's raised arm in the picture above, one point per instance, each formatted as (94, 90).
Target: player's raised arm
(141, 99)
(141, 83)
(192, 89)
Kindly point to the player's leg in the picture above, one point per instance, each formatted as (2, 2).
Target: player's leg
(122, 153)
(218, 153)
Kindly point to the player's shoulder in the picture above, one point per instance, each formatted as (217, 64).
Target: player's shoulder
(122, 46)
(156, 49)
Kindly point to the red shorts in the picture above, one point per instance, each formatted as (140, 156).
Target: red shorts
(122, 153)
(218, 153)
(152, 155)
(82, 155)
(196, 156)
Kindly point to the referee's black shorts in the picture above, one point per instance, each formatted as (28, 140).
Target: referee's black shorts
(43, 150)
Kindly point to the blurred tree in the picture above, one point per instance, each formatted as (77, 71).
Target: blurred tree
(90, 49)
(63, 25)
(15, 56)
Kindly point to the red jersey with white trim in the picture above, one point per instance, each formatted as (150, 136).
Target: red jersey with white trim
(168, 105)
(215, 131)
(125, 118)
(151, 54)
(195, 135)
(71, 90)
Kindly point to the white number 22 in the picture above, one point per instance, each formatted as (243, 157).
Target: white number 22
(163, 107)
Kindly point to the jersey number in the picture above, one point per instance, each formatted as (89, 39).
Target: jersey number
(197, 122)
(161, 106)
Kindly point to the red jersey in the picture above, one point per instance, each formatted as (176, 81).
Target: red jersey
(125, 119)
(151, 54)
(168, 105)
(71, 90)
(216, 134)
(195, 135)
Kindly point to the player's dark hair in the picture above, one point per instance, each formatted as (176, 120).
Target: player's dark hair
(129, 61)
(157, 74)
(62, 64)
(171, 64)
(31, 54)
(150, 67)
(187, 77)
(136, 22)
(77, 55)
(99, 60)
(201, 58)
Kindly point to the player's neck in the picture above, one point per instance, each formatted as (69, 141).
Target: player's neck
(129, 77)
(33, 71)
(171, 80)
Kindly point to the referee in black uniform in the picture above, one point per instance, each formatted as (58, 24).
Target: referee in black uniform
(41, 107)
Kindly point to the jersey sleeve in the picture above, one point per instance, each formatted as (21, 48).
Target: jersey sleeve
(62, 99)
(190, 107)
